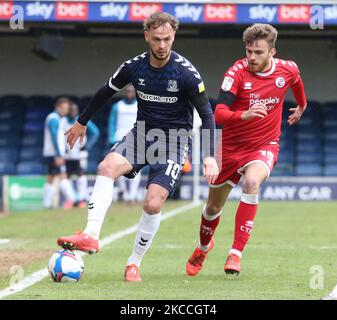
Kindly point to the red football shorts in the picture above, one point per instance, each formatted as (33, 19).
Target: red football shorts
(234, 163)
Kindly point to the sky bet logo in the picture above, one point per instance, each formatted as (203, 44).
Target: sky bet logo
(117, 11)
(71, 11)
(294, 13)
(220, 13)
(38, 9)
(261, 12)
(141, 11)
(188, 12)
(330, 13)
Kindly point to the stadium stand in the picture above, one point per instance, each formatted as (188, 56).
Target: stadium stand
(306, 149)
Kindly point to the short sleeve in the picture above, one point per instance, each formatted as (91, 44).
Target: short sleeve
(231, 80)
(121, 77)
(194, 84)
(295, 72)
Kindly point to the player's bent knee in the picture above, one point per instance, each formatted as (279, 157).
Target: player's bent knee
(108, 169)
(212, 209)
(152, 206)
(250, 185)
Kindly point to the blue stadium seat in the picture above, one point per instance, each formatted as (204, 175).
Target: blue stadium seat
(9, 154)
(330, 130)
(286, 105)
(327, 137)
(30, 168)
(308, 132)
(312, 111)
(308, 169)
(40, 101)
(5, 128)
(308, 145)
(32, 139)
(314, 105)
(9, 140)
(10, 126)
(4, 142)
(330, 121)
(330, 147)
(282, 169)
(330, 158)
(31, 154)
(33, 126)
(7, 168)
(309, 157)
(330, 170)
(329, 107)
(308, 120)
(37, 113)
(11, 115)
(286, 156)
(287, 142)
(287, 133)
(11, 118)
(12, 102)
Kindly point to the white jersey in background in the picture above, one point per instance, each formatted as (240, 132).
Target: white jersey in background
(126, 116)
(48, 146)
(75, 153)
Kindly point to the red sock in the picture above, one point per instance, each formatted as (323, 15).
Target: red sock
(207, 229)
(244, 222)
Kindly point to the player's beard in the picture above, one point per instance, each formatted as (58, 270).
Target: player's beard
(259, 67)
(158, 57)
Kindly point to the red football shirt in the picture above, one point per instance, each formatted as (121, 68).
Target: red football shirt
(250, 88)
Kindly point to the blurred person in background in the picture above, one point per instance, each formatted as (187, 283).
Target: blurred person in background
(122, 117)
(54, 148)
(77, 157)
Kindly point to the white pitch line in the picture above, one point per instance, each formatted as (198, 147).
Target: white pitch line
(43, 273)
(4, 241)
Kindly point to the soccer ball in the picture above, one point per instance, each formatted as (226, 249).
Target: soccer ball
(66, 266)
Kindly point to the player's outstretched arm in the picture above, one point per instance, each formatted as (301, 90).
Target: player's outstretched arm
(78, 130)
(210, 168)
(299, 94)
(120, 78)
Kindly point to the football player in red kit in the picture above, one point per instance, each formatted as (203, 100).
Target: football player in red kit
(250, 110)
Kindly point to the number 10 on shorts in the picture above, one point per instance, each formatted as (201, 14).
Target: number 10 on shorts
(173, 169)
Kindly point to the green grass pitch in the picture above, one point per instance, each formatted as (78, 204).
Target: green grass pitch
(291, 245)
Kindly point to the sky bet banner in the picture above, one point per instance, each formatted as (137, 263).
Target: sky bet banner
(186, 12)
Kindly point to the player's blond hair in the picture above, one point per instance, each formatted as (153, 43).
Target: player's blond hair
(157, 19)
(260, 31)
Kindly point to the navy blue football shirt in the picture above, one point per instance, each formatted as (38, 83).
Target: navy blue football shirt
(163, 94)
(166, 96)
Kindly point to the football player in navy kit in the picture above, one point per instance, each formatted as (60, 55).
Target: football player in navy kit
(168, 87)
